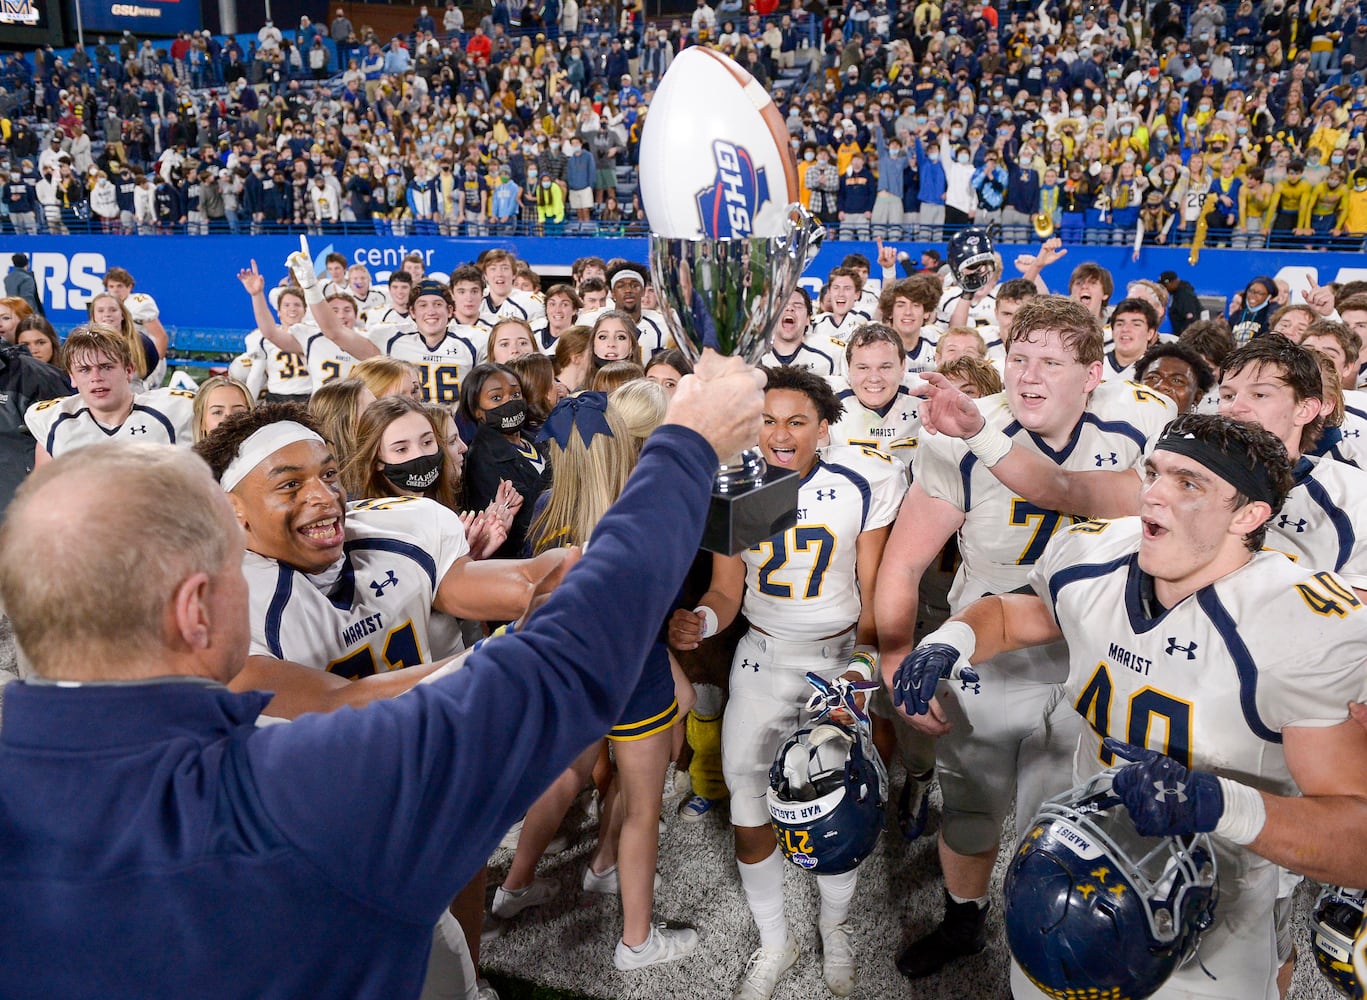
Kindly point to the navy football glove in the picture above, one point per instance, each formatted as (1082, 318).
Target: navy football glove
(914, 683)
(1164, 798)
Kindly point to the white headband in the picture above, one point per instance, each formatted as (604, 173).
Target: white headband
(260, 446)
(624, 274)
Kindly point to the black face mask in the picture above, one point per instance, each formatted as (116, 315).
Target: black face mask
(417, 473)
(508, 418)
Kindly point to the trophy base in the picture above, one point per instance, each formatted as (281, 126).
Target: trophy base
(736, 521)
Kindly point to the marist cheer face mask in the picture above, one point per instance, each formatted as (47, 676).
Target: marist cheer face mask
(417, 473)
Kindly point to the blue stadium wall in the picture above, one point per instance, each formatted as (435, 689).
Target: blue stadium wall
(194, 279)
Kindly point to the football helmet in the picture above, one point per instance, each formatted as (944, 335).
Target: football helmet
(1338, 936)
(1095, 909)
(972, 259)
(827, 794)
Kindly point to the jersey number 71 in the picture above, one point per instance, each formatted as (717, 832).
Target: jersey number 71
(400, 650)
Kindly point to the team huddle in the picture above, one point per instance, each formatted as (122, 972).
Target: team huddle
(1101, 577)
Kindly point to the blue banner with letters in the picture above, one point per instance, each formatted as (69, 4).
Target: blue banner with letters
(142, 17)
(194, 278)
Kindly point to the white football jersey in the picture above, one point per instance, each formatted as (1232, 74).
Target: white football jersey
(541, 336)
(1346, 442)
(801, 584)
(374, 302)
(326, 361)
(441, 367)
(652, 333)
(996, 350)
(1323, 524)
(373, 616)
(825, 328)
(1004, 535)
(286, 374)
(923, 358)
(1211, 682)
(518, 305)
(823, 360)
(868, 300)
(1113, 370)
(159, 416)
(1355, 402)
(893, 431)
(982, 313)
(142, 309)
(389, 318)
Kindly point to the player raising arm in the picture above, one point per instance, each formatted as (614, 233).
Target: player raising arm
(334, 348)
(1270, 382)
(1222, 672)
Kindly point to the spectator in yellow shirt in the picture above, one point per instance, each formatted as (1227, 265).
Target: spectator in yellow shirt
(550, 205)
(1284, 210)
(849, 146)
(1327, 137)
(1353, 210)
(1320, 210)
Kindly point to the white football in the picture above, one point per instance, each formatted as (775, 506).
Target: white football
(715, 155)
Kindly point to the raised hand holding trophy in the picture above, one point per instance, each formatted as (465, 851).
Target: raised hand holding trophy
(725, 255)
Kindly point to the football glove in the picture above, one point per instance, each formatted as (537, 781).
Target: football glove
(300, 264)
(1164, 798)
(942, 654)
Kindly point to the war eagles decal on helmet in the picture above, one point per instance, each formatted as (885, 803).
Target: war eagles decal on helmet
(827, 793)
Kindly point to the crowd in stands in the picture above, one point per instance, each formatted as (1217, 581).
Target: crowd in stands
(1143, 124)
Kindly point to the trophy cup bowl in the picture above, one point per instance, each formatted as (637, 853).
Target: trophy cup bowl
(728, 295)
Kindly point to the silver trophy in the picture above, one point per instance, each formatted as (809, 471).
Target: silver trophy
(728, 294)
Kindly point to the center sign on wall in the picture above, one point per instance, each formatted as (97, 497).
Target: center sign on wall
(142, 17)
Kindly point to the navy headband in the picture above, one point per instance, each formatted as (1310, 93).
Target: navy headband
(1240, 469)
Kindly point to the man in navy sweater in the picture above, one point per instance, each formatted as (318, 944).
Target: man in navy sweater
(162, 844)
(857, 191)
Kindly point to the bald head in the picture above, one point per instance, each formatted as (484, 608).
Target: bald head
(95, 553)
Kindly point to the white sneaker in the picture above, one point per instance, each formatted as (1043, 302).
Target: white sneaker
(492, 930)
(837, 959)
(558, 844)
(681, 786)
(665, 944)
(609, 883)
(509, 904)
(763, 971)
(484, 991)
(509, 842)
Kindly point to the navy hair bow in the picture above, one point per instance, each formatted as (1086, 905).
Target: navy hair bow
(586, 412)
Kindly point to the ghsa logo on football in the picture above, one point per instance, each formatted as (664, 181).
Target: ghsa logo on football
(738, 191)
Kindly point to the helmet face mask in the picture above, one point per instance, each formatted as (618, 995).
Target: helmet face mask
(972, 258)
(1338, 937)
(976, 273)
(1091, 905)
(827, 794)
